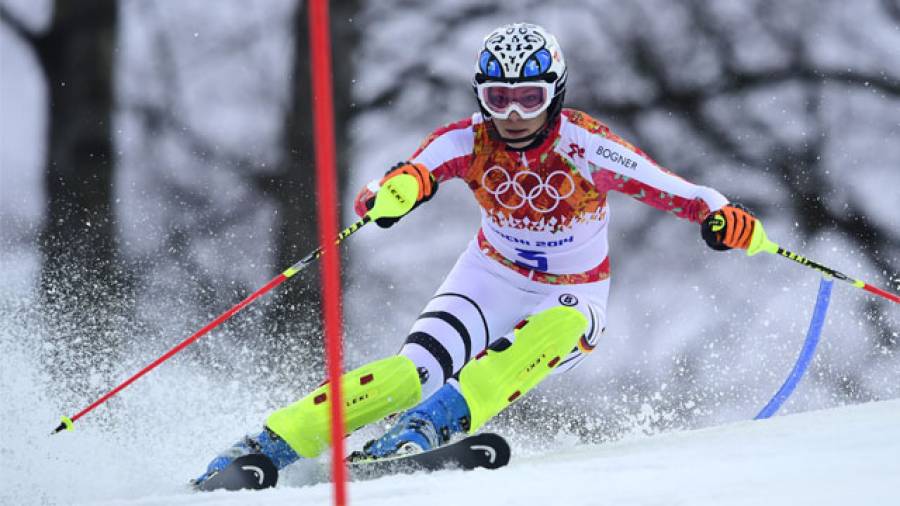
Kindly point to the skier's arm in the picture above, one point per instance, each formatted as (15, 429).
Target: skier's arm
(618, 165)
(445, 153)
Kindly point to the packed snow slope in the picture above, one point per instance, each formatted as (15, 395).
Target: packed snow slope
(843, 456)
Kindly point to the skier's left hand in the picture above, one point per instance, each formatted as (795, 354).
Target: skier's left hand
(729, 227)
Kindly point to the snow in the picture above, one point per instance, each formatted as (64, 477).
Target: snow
(841, 456)
(711, 355)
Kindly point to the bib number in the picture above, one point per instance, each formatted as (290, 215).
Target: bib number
(531, 259)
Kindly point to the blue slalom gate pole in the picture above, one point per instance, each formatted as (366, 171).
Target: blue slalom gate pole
(806, 354)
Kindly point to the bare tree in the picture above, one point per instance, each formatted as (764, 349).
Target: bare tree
(81, 281)
(293, 186)
(276, 178)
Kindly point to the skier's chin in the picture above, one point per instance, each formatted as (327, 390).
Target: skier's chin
(511, 137)
(515, 128)
(517, 133)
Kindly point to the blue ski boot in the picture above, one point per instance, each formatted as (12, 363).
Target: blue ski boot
(266, 443)
(422, 428)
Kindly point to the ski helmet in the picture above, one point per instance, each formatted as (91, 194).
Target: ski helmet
(521, 53)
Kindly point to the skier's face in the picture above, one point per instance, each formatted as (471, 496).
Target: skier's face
(515, 127)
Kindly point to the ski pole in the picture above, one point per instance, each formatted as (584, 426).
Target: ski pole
(760, 242)
(402, 191)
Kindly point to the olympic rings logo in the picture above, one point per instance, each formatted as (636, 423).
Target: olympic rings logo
(516, 184)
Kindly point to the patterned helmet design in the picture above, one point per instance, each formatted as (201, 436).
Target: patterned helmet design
(521, 52)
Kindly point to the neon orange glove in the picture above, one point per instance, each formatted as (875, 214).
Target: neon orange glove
(427, 183)
(729, 227)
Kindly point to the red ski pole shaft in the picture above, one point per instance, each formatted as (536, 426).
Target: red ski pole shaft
(67, 423)
(760, 242)
(838, 275)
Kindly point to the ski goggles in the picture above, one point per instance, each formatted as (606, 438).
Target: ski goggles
(528, 99)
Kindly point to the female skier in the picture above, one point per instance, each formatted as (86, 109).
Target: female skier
(527, 297)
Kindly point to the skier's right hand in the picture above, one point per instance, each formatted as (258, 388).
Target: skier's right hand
(428, 186)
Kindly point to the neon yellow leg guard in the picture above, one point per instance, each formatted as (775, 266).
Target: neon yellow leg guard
(371, 392)
(493, 381)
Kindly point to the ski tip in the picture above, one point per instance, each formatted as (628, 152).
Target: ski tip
(249, 472)
(495, 447)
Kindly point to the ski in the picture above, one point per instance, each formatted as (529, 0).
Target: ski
(487, 450)
(254, 472)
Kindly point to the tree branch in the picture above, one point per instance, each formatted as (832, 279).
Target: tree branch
(892, 8)
(740, 83)
(19, 28)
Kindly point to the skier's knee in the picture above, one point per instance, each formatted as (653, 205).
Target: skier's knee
(500, 375)
(582, 349)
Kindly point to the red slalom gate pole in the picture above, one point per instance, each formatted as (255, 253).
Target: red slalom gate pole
(323, 120)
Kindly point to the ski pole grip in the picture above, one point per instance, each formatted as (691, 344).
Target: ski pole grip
(395, 198)
(759, 242)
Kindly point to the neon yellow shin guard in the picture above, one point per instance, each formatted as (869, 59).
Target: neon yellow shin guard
(493, 381)
(371, 392)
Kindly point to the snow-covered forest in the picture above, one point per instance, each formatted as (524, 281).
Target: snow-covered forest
(156, 167)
